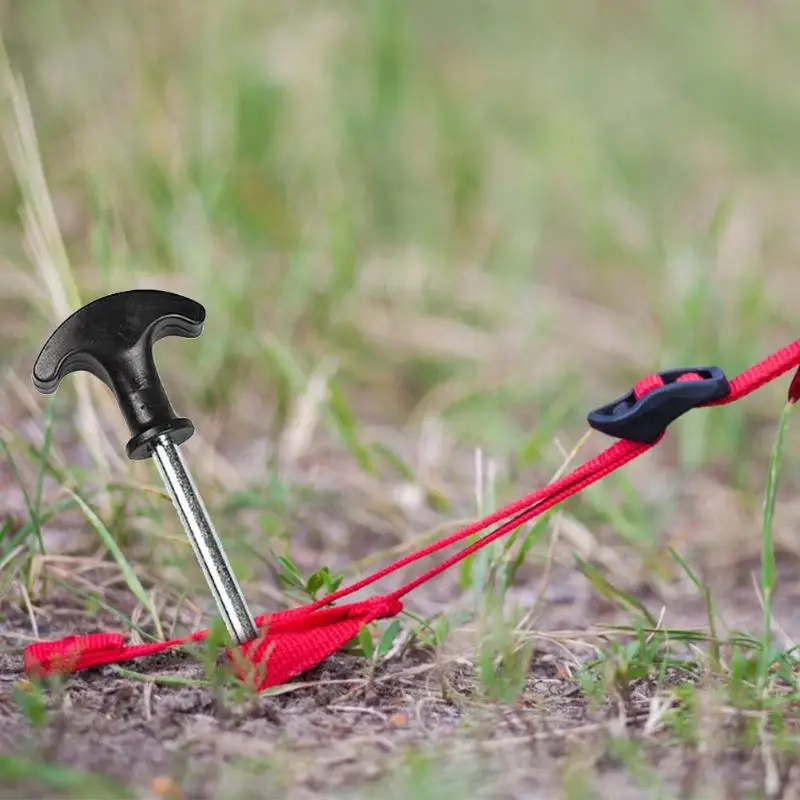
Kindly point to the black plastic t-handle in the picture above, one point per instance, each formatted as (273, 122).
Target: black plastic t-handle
(112, 338)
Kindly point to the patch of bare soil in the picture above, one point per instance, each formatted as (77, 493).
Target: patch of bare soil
(342, 733)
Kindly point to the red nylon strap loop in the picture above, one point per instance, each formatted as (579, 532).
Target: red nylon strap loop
(290, 642)
(291, 645)
(72, 653)
(297, 639)
(651, 382)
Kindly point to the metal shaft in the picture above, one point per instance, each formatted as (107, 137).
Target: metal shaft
(207, 547)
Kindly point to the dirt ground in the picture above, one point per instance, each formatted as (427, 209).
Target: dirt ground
(421, 720)
(341, 734)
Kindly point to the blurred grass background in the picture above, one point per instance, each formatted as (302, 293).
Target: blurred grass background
(473, 221)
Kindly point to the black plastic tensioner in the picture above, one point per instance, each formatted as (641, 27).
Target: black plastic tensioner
(645, 419)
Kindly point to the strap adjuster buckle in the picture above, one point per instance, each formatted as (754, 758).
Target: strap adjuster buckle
(644, 419)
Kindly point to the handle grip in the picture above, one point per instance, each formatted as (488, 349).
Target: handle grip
(112, 338)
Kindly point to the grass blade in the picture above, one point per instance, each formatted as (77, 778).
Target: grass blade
(705, 592)
(131, 580)
(768, 543)
(611, 592)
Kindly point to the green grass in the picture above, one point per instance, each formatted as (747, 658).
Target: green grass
(64, 781)
(420, 230)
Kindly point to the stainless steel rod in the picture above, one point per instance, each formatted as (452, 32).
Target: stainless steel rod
(207, 547)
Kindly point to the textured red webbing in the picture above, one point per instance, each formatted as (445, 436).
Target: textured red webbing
(292, 641)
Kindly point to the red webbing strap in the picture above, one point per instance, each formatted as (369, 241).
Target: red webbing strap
(292, 641)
